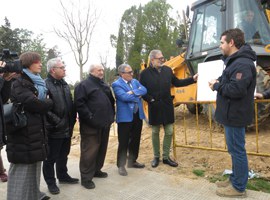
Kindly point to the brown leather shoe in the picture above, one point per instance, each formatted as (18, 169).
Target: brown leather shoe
(225, 183)
(135, 165)
(229, 191)
(3, 177)
(122, 171)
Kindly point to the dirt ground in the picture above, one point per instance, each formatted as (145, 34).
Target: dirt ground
(212, 162)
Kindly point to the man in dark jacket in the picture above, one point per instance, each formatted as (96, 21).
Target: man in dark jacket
(60, 122)
(235, 106)
(95, 105)
(158, 79)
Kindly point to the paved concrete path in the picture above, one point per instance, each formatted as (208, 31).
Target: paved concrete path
(140, 184)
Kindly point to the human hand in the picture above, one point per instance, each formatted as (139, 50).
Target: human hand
(211, 83)
(9, 75)
(195, 77)
(259, 95)
(130, 92)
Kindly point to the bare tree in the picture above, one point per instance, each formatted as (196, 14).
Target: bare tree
(78, 29)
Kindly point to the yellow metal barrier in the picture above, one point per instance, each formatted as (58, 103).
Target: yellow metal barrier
(198, 138)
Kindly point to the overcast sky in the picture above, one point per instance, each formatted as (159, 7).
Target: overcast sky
(40, 16)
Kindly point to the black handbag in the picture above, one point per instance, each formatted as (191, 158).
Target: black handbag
(14, 116)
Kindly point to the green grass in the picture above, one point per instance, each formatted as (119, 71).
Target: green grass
(198, 172)
(257, 184)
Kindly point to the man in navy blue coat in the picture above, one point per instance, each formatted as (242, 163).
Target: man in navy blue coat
(235, 106)
(129, 115)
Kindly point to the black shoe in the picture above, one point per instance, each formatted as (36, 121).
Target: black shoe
(69, 180)
(53, 189)
(170, 162)
(45, 198)
(135, 165)
(155, 162)
(101, 174)
(122, 171)
(88, 184)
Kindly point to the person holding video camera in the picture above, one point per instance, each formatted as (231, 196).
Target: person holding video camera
(27, 147)
(5, 84)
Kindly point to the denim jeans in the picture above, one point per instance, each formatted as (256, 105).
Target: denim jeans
(167, 141)
(235, 139)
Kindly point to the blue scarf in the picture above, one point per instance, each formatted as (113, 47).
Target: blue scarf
(39, 84)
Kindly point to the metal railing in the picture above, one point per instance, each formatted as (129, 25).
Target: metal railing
(210, 146)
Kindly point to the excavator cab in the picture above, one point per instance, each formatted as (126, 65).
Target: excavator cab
(212, 17)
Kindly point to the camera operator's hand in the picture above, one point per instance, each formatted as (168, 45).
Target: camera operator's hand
(7, 76)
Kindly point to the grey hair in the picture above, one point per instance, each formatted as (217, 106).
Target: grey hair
(93, 66)
(122, 67)
(153, 53)
(53, 63)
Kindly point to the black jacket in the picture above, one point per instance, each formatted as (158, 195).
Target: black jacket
(235, 90)
(29, 144)
(159, 98)
(5, 93)
(61, 118)
(94, 103)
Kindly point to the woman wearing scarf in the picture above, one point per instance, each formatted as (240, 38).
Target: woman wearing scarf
(27, 147)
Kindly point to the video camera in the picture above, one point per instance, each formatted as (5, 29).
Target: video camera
(12, 61)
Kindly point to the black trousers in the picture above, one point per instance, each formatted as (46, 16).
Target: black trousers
(58, 156)
(94, 144)
(129, 137)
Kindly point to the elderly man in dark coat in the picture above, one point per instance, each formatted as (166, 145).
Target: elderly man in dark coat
(158, 79)
(95, 105)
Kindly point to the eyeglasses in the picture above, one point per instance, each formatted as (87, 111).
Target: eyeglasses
(130, 72)
(63, 67)
(160, 59)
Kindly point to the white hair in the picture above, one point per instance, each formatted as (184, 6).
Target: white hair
(94, 66)
(53, 63)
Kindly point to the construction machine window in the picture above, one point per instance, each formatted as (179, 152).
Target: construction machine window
(206, 28)
(197, 31)
(212, 26)
(252, 21)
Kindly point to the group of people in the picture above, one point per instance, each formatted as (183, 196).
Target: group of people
(51, 114)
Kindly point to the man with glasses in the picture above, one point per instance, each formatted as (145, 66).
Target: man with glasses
(60, 122)
(157, 79)
(129, 115)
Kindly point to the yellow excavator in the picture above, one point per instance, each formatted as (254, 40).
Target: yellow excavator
(210, 19)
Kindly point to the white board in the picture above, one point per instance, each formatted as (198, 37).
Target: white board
(208, 71)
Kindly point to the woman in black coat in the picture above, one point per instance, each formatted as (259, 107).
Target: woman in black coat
(27, 147)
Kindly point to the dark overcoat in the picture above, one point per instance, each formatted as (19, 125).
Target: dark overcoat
(29, 144)
(94, 103)
(159, 98)
(62, 117)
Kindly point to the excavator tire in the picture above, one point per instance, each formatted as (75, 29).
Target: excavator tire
(192, 108)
